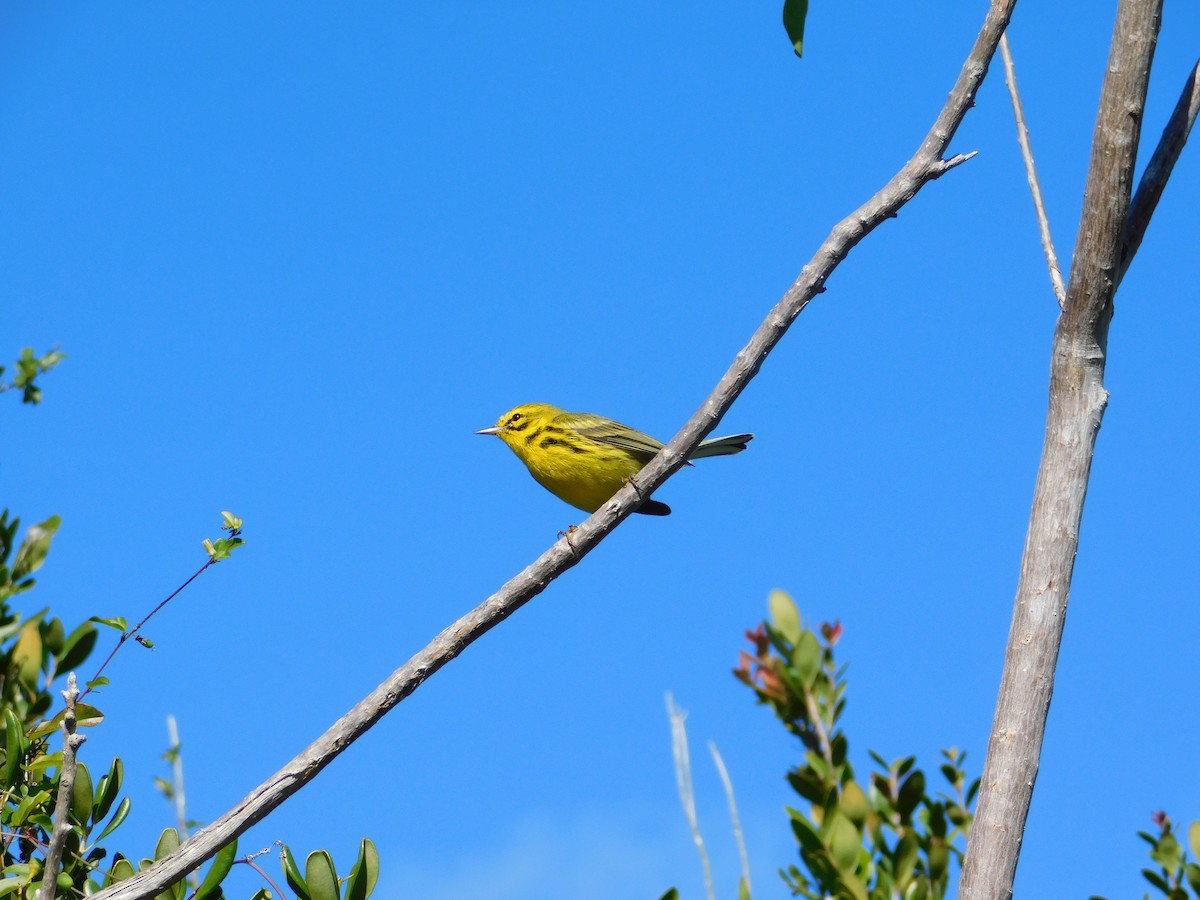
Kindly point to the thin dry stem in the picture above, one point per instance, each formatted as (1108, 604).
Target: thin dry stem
(738, 836)
(1035, 187)
(687, 793)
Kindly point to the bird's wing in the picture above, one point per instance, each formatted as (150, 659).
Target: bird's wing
(606, 431)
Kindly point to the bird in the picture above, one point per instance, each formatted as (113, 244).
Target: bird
(584, 459)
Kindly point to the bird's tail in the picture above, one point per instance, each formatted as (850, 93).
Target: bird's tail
(722, 446)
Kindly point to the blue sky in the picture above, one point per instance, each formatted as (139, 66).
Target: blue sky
(298, 254)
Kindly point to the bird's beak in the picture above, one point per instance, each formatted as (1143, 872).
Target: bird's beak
(495, 429)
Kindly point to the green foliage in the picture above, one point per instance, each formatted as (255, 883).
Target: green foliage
(1175, 877)
(220, 549)
(28, 368)
(35, 651)
(873, 840)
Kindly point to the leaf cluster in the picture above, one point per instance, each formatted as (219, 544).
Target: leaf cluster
(1174, 876)
(28, 367)
(871, 839)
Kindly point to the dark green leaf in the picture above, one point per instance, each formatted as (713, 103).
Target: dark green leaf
(1157, 880)
(107, 790)
(77, 647)
(210, 887)
(14, 745)
(364, 873)
(904, 858)
(794, 14)
(115, 822)
(912, 792)
(671, 894)
(52, 636)
(81, 795)
(292, 873)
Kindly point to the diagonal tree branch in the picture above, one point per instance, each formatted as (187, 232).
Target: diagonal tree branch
(1035, 187)
(1158, 170)
(924, 167)
(1076, 406)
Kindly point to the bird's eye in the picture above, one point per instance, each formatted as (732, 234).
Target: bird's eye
(516, 417)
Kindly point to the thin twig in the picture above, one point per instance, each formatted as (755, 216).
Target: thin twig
(687, 793)
(925, 166)
(733, 813)
(72, 741)
(138, 627)
(249, 861)
(1158, 170)
(1035, 188)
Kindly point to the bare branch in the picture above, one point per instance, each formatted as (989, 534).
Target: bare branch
(924, 167)
(72, 741)
(1154, 179)
(1076, 406)
(1035, 187)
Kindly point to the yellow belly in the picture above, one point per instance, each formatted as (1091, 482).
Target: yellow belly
(584, 482)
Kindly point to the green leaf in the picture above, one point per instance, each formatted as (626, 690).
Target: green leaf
(844, 843)
(27, 808)
(855, 805)
(785, 618)
(292, 873)
(364, 873)
(1192, 873)
(121, 869)
(806, 834)
(107, 790)
(1194, 838)
(77, 647)
(939, 859)
(52, 636)
(33, 550)
(912, 792)
(794, 14)
(321, 876)
(117, 622)
(1157, 880)
(904, 858)
(27, 656)
(115, 822)
(672, 894)
(81, 795)
(210, 887)
(168, 843)
(15, 745)
(806, 658)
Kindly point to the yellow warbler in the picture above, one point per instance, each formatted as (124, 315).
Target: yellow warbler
(585, 459)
